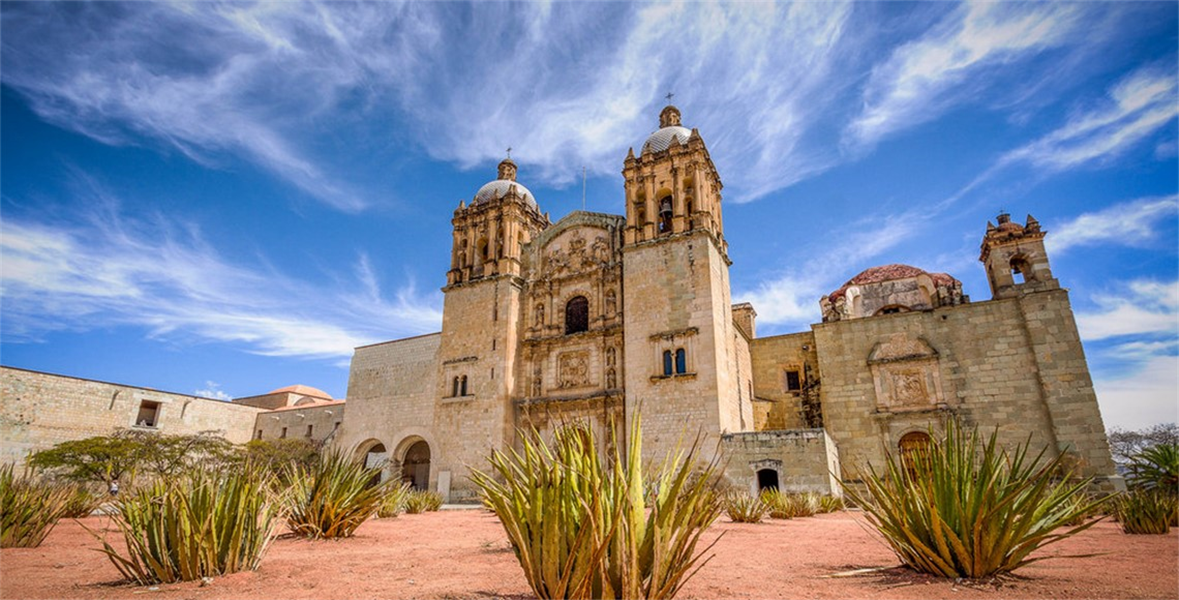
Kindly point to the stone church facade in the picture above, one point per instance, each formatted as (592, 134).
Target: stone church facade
(598, 317)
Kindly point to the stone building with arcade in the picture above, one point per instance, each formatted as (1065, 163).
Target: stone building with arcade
(597, 317)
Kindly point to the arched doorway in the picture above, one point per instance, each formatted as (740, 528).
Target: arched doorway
(415, 467)
(767, 479)
(914, 447)
(376, 456)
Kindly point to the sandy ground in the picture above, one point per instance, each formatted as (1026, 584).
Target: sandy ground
(464, 554)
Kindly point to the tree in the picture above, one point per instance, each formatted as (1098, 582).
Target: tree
(171, 455)
(1125, 444)
(101, 458)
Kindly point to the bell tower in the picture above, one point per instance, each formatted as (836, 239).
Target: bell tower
(1015, 258)
(681, 359)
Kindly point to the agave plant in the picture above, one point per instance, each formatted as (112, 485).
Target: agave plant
(744, 508)
(331, 498)
(1146, 511)
(420, 501)
(1156, 467)
(82, 500)
(584, 526)
(394, 502)
(202, 524)
(29, 508)
(965, 508)
(829, 503)
(790, 506)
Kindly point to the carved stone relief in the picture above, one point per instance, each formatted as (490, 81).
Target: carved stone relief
(906, 374)
(573, 369)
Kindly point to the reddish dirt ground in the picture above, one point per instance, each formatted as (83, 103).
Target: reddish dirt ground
(464, 554)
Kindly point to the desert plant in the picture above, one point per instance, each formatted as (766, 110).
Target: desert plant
(332, 498)
(202, 524)
(582, 525)
(29, 508)
(420, 501)
(789, 506)
(744, 508)
(394, 502)
(1145, 511)
(1156, 467)
(829, 503)
(965, 508)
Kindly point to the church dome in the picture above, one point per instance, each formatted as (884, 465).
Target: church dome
(661, 140)
(304, 390)
(506, 182)
(890, 273)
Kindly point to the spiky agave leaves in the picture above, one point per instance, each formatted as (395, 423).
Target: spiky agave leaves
(202, 524)
(1146, 511)
(29, 508)
(965, 508)
(331, 498)
(744, 508)
(579, 522)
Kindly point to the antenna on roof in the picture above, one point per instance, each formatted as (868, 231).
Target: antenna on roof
(668, 96)
(583, 188)
(509, 152)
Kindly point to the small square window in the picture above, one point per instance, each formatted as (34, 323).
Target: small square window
(310, 429)
(793, 381)
(258, 435)
(149, 414)
(284, 433)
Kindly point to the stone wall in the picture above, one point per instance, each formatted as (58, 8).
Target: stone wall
(805, 460)
(1016, 364)
(316, 422)
(39, 410)
(777, 406)
(391, 396)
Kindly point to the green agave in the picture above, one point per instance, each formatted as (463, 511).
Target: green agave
(585, 525)
(969, 509)
(333, 497)
(29, 508)
(200, 525)
(1146, 511)
(743, 508)
(420, 501)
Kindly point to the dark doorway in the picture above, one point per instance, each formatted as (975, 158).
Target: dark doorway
(577, 315)
(415, 467)
(375, 458)
(767, 479)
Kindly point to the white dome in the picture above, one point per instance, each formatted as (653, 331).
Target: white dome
(498, 188)
(660, 140)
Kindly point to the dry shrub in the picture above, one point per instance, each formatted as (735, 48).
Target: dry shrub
(420, 501)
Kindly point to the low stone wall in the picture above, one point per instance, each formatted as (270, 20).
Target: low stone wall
(804, 460)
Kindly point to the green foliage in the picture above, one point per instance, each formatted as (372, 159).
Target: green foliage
(1146, 511)
(743, 508)
(332, 498)
(29, 508)
(830, 504)
(169, 456)
(202, 524)
(964, 508)
(582, 524)
(1156, 467)
(100, 459)
(394, 502)
(276, 455)
(420, 501)
(790, 506)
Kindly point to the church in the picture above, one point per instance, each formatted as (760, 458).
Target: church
(597, 318)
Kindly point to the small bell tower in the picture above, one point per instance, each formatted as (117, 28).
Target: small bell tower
(1015, 258)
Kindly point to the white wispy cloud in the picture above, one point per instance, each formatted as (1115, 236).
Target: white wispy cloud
(110, 269)
(1143, 307)
(213, 391)
(1137, 106)
(1130, 222)
(942, 68)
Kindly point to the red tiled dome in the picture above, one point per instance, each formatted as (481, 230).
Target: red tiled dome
(305, 390)
(889, 273)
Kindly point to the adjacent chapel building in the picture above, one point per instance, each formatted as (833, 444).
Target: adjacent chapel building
(597, 317)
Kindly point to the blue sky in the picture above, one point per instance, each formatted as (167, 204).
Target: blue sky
(223, 199)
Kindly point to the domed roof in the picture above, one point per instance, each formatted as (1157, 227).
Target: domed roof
(890, 273)
(497, 188)
(305, 390)
(661, 140)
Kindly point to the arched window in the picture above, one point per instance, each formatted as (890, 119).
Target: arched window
(576, 315)
(454, 390)
(665, 215)
(1020, 269)
(667, 362)
(463, 386)
(640, 213)
(767, 479)
(681, 361)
